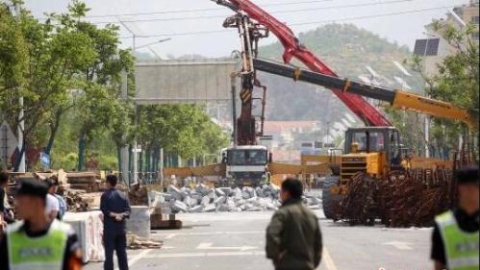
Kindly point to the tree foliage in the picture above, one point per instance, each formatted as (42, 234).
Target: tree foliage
(457, 82)
(70, 73)
(182, 129)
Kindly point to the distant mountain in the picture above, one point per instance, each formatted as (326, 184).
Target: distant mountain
(350, 52)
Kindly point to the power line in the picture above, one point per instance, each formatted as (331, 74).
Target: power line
(274, 12)
(372, 16)
(305, 23)
(203, 9)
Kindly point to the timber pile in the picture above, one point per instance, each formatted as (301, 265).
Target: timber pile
(84, 181)
(135, 242)
(79, 201)
(138, 195)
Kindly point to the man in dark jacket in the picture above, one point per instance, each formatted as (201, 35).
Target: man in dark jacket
(116, 209)
(294, 240)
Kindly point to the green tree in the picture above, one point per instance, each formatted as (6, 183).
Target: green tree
(457, 82)
(180, 129)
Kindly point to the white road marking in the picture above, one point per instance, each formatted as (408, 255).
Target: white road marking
(328, 260)
(211, 233)
(207, 254)
(137, 257)
(170, 236)
(399, 245)
(209, 246)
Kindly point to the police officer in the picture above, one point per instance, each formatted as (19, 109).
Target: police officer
(455, 238)
(38, 242)
(116, 209)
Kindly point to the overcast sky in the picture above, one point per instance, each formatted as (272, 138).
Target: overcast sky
(404, 27)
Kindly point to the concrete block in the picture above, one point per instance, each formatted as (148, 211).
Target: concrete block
(175, 192)
(210, 208)
(219, 192)
(240, 202)
(196, 196)
(259, 192)
(246, 195)
(227, 190)
(205, 201)
(179, 206)
(197, 209)
(190, 202)
(220, 200)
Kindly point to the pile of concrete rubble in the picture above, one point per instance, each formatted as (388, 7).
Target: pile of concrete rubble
(204, 199)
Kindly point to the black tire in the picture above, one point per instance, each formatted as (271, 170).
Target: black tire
(329, 200)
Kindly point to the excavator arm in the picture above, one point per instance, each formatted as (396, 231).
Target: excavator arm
(396, 98)
(358, 105)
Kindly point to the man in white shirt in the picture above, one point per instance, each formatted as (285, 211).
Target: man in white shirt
(52, 208)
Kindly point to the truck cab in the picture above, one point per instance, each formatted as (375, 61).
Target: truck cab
(246, 165)
(371, 150)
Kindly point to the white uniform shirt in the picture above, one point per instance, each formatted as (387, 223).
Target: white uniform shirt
(52, 204)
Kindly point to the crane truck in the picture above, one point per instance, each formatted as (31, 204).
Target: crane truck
(375, 150)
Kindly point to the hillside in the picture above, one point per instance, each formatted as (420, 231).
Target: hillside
(347, 50)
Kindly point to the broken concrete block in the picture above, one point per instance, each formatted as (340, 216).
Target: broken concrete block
(197, 209)
(210, 208)
(205, 201)
(175, 192)
(259, 192)
(220, 200)
(190, 202)
(219, 192)
(227, 190)
(179, 206)
(196, 196)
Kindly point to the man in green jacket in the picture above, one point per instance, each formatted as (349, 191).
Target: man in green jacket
(294, 240)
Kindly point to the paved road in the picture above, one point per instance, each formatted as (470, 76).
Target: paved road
(235, 241)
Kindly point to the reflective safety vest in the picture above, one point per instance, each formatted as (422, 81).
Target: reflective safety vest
(461, 248)
(39, 253)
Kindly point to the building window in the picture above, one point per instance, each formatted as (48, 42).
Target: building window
(475, 19)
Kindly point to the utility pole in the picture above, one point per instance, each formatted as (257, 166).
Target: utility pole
(21, 125)
(427, 118)
(234, 109)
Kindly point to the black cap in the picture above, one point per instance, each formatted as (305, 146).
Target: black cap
(468, 175)
(30, 187)
(51, 182)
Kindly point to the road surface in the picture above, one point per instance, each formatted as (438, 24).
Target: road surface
(235, 241)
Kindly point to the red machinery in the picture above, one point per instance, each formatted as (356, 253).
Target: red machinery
(248, 31)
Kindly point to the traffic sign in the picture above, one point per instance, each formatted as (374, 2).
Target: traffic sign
(45, 160)
(8, 142)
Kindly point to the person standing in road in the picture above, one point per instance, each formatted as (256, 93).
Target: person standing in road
(455, 237)
(38, 242)
(294, 239)
(116, 209)
(53, 189)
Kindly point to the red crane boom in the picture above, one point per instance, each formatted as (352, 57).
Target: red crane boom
(357, 104)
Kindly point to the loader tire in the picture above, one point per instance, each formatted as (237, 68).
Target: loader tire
(330, 201)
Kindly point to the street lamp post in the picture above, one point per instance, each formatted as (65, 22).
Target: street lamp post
(135, 144)
(427, 118)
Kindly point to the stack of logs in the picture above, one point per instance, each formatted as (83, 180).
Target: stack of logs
(79, 201)
(138, 195)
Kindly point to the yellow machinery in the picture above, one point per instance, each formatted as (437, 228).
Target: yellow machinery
(377, 153)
